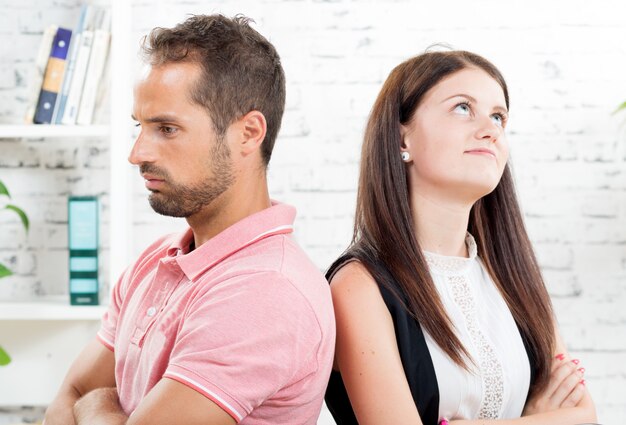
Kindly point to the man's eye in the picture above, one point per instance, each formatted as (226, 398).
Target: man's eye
(167, 130)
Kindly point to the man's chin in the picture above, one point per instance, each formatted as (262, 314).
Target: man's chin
(167, 208)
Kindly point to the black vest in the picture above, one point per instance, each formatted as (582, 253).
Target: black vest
(416, 360)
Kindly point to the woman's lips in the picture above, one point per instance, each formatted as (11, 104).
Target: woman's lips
(482, 151)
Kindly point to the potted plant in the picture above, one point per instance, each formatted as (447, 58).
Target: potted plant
(4, 270)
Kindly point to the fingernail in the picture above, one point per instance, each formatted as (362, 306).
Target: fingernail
(582, 381)
(560, 356)
(575, 361)
(581, 369)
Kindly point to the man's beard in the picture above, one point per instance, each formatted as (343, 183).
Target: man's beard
(185, 201)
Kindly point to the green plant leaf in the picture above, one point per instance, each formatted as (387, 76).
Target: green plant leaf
(5, 359)
(4, 190)
(620, 107)
(21, 213)
(4, 271)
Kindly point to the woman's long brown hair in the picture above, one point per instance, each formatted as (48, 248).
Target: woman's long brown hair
(384, 225)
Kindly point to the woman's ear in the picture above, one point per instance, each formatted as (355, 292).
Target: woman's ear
(254, 128)
(405, 144)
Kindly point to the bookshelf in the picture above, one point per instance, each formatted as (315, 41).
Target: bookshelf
(30, 131)
(44, 335)
(49, 308)
(117, 131)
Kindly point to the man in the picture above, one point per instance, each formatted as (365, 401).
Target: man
(228, 322)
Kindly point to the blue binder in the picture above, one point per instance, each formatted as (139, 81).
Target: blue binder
(83, 212)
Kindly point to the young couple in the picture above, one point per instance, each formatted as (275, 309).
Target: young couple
(438, 306)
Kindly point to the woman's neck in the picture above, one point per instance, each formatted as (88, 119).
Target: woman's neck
(441, 225)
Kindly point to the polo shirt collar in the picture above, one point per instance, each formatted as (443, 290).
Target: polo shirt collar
(277, 219)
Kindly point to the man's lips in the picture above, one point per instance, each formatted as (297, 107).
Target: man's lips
(150, 177)
(153, 182)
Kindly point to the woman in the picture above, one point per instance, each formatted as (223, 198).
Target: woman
(442, 313)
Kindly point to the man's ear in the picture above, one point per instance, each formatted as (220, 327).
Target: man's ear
(253, 127)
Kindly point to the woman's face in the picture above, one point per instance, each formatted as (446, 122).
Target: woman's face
(456, 138)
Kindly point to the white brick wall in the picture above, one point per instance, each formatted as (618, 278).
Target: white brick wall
(564, 60)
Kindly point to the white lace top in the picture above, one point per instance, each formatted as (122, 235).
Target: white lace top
(499, 384)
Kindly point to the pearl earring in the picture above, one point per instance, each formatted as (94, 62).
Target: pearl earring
(405, 156)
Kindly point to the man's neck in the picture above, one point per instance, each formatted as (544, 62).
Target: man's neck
(232, 206)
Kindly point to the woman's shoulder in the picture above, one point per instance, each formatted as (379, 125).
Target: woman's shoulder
(353, 276)
(354, 291)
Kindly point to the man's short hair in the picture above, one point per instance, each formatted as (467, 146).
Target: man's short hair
(241, 70)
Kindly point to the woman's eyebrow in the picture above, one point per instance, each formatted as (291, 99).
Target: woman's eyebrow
(472, 99)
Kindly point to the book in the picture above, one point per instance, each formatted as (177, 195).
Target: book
(40, 68)
(95, 69)
(82, 224)
(79, 72)
(53, 78)
(71, 64)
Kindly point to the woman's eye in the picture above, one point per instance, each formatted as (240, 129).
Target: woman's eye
(462, 108)
(498, 120)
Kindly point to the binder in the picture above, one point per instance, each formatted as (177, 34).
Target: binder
(41, 61)
(53, 78)
(83, 230)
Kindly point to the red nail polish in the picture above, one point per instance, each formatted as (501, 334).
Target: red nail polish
(560, 356)
(581, 369)
(575, 361)
(582, 381)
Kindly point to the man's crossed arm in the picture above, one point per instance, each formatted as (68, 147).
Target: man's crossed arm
(88, 396)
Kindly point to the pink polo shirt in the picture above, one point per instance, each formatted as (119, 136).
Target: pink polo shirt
(245, 319)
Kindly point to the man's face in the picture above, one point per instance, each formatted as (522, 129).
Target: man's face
(185, 165)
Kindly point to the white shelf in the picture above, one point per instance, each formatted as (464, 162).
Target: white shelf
(51, 308)
(48, 131)
(43, 336)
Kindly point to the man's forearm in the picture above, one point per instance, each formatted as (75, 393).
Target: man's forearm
(93, 368)
(99, 407)
(61, 410)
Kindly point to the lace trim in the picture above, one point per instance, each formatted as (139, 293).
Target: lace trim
(490, 367)
(448, 264)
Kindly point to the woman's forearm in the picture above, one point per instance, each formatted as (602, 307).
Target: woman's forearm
(564, 416)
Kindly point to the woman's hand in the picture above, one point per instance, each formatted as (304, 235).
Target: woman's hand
(566, 388)
(564, 401)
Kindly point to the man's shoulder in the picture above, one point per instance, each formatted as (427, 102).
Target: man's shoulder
(280, 258)
(276, 271)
